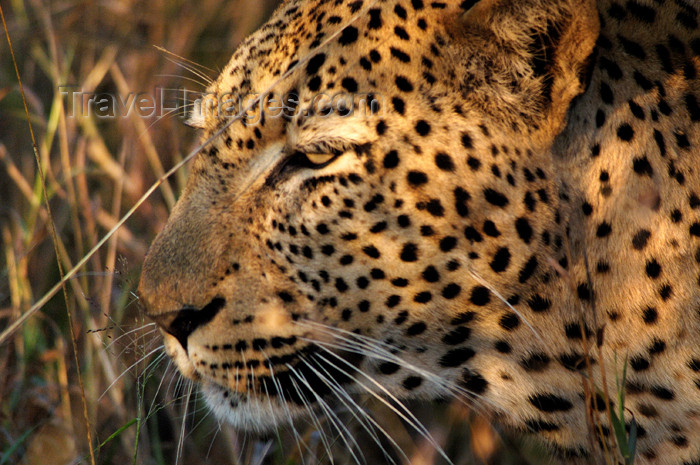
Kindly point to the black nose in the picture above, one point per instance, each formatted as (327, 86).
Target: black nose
(183, 322)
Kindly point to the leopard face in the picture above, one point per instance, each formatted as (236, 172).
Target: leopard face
(456, 199)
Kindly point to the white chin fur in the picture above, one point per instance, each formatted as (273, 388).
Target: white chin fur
(251, 414)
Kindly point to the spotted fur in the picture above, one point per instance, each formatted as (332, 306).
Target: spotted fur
(520, 215)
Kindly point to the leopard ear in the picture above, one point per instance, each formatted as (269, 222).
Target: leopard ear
(536, 54)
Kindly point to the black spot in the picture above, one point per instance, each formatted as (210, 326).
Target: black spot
(371, 251)
(632, 48)
(362, 282)
(412, 382)
(456, 336)
(693, 200)
(694, 364)
(422, 128)
(480, 296)
(375, 21)
(403, 84)
(461, 198)
(409, 252)
(583, 291)
(537, 303)
(535, 363)
(687, 20)
(416, 329)
(393, 300)
(451, 291)
(467, 142)
(509, 321)
(474, 163)
(348, 36)
(604, 229)
(417, 178)
(642, 12)
(528, 269)
(522, 226)
(530, 201)
(423, 297)
(431, 274)
(401, 33)
(472, 234)
(341, 285)
(616, 11)
(572, 361)
(639, 363)
(376, 273)
(550, 403)
(586, 208)
(495, 198)
(473, 382)
(381, 128)
(435, 208)
(642, 81)
(613, 70)
(599, 122)
(456, 357)
(490, 229)
(448, 243)
(640, 239)
(650, 315)
(349, 84)
(502, 347)
(625, 132)
(662, 393)
(501, 260)
(691, 104)
(315, 63)
(391, 159)
(378, 227)
(538, 426)
(606, 93)
(642, 166)
(574, 331)
(463, 318)
(653, 269)
(399, 105)
(388, 368)
(444, 162)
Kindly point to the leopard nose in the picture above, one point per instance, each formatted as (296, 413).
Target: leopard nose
(183, 322)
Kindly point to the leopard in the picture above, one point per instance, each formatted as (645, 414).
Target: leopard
(491, 200)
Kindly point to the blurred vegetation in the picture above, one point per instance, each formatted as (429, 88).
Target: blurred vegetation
(137, 408)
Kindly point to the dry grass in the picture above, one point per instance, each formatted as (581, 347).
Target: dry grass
(85, 358)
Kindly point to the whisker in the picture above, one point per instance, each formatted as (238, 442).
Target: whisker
(297, 437)
(399, 408)
(353, 407)
(158, 359)
(181, 437)
(493, 290)
(335, 422)
(312, 414)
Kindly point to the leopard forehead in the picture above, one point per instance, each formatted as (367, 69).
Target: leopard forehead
(448, 198)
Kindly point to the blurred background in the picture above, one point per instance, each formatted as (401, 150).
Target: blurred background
(88, 368)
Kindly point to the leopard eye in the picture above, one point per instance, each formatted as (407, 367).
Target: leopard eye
(319, 159)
